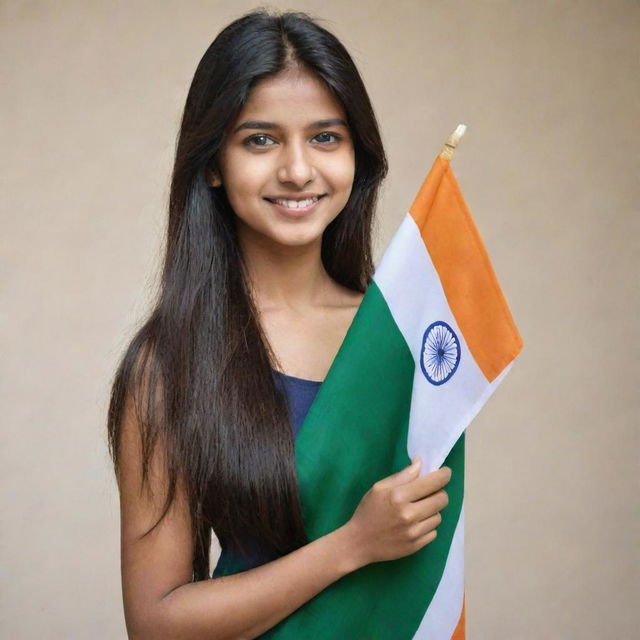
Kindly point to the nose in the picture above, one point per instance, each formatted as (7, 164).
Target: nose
(296, 165)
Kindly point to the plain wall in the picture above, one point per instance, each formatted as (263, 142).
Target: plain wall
(92, 93)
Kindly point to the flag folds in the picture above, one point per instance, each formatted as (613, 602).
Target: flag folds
(431, 340)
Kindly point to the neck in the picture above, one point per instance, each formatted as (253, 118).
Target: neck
(284, 277)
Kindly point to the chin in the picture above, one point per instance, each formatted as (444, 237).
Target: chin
(286, 234)
(299, 238)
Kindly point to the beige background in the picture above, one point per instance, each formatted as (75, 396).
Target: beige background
(92, 96)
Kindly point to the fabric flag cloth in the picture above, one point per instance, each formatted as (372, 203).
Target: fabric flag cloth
(431, 340)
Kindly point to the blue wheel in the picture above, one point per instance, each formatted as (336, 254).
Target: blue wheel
(440, 353)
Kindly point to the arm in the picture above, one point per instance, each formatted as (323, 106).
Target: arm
(160, 601)
(245, 605)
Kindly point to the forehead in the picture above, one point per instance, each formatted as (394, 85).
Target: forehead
(291, 99)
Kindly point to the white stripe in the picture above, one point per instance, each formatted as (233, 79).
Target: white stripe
(412, 289)
(439, 414)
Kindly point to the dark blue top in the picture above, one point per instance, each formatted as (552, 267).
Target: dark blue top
(299, 393)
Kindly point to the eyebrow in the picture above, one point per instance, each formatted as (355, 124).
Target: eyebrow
(261, 124)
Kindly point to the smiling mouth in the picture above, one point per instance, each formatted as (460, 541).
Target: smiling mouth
(296, 211)
(282, 201)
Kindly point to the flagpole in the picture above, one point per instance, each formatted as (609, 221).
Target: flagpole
(452, 142)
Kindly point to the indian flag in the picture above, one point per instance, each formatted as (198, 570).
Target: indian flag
(432, 339)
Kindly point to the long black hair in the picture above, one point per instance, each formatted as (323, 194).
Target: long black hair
(199, 367)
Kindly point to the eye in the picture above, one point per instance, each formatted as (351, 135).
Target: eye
(253, 141)
(332, 135)
(248, 141)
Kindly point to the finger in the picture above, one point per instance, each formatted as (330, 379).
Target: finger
(402, 476)
(425, 526)
(426, 539)
(424, 486)
(429, 506)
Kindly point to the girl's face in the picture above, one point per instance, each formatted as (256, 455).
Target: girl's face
(280, 149)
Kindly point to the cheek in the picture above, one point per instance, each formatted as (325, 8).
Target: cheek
(244, 183)
(342, 174)
(242, 170)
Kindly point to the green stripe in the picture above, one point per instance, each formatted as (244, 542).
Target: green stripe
(354, 435)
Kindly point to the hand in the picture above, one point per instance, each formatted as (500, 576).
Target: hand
(399, 514)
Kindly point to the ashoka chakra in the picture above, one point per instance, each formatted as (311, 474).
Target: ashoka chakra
(440, 353)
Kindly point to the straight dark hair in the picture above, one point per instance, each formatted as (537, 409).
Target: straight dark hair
(198, 369)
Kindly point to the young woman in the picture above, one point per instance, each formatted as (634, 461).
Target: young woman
(268, 255)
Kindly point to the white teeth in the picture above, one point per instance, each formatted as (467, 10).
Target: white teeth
(297, 204)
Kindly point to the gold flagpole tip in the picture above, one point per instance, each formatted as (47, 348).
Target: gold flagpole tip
(452, 142)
